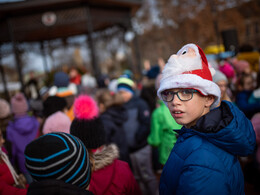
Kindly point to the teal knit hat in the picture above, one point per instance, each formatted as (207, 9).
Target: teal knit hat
(125, 83)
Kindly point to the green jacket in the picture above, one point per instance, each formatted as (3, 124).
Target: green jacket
(162, 134)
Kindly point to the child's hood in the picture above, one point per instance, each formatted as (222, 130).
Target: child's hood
(228, 128)
(25, 125)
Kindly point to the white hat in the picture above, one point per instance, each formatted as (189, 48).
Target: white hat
(189, 69)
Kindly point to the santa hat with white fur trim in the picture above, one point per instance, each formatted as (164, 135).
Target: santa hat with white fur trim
(189, 69)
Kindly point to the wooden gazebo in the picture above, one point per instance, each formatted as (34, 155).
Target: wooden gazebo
(41, 20)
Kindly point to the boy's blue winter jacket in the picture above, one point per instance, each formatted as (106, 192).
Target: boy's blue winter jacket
(204, 159)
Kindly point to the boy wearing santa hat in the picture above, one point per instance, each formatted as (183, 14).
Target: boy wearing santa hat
(204, 158)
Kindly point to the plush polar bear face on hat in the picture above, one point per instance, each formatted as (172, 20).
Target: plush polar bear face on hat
(189, 69)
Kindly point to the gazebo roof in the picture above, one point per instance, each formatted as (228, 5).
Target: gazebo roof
(23, 21)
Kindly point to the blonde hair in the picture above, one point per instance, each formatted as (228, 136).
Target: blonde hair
(109, 98)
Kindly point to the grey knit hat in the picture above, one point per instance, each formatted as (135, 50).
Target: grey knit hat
(219, 76)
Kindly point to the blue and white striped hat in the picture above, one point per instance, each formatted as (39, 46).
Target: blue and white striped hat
(58, 156)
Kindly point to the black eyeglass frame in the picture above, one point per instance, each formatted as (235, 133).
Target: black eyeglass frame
(177, 93)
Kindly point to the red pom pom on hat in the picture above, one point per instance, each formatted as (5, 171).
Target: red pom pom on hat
(85, 107)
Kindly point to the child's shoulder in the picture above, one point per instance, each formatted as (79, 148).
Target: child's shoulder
(187, 143)
(196, 149)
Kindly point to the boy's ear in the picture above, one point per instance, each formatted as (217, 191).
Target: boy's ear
(209, 100)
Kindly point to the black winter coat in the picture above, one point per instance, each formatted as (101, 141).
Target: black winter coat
(113, 119)
(137, 125)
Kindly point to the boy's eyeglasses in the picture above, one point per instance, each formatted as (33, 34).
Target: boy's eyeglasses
(183, 95)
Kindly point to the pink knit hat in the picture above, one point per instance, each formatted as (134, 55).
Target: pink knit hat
(227, 69)
(57, 122)
(19, 104)
(189, 69)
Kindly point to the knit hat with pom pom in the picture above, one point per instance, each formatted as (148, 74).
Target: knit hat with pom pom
(87, 125)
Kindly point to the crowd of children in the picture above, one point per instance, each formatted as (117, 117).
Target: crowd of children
(177, 131)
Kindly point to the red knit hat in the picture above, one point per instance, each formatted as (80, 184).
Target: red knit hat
(19, 104)
(189, 69)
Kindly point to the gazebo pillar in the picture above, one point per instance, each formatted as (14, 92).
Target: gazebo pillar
(137, 52)
(3, 78)
(92, 45)
(43, 52)
(16, 54)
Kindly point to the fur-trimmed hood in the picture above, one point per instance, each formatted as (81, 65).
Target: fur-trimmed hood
(110, 175)
(106, 156)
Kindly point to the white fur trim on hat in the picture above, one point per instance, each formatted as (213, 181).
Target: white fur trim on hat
(189, 69)
(191, 81)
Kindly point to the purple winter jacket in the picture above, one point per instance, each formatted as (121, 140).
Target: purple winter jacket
(21, 131)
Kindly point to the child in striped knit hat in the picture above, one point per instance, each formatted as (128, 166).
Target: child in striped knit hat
(59, 164)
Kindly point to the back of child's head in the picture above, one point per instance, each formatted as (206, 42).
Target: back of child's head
(189, 69)
(241, 66)
(61, 79)
(245, 82)
(227, 69)
(219, 76)
(53, 104)
(57, 122)
(19, 104)
(125, 83)
(109, 98)
(58, 156)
